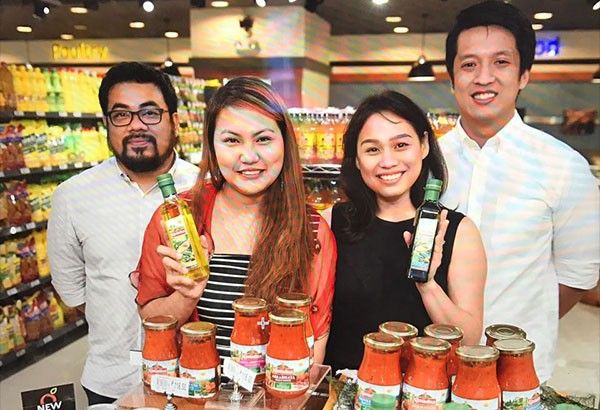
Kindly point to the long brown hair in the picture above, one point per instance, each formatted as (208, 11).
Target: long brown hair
(282, 254)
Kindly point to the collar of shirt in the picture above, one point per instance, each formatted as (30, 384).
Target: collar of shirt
(493, 144)
(127, 179)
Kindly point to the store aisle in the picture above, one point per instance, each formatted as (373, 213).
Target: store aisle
(577, 370)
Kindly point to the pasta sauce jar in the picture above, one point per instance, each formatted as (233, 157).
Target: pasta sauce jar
(426, 379)
(159, 355)
(199, 359)
(379, 376)
(288, 357)
(301, 302)
(451, 334)
(518, 381)
(476, 383)
(250, 334)
(500, 332)
(404, 331)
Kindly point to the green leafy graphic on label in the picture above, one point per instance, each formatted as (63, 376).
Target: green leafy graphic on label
(522, 400)
(203, 383)
(414, 398)
(423, 244)
(373, 396)
(287, 375)
(181, 242)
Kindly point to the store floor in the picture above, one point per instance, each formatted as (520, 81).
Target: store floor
(577, 370)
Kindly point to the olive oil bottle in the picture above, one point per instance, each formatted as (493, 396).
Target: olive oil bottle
(426, 226)
(181, 230)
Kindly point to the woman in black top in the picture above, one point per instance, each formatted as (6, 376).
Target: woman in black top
(389, 152)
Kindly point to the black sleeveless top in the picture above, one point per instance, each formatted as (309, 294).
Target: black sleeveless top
(371, 286)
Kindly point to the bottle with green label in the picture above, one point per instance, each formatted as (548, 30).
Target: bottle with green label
(181, 230)
(426, 226)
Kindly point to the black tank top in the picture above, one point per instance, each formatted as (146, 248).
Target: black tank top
(371, 286)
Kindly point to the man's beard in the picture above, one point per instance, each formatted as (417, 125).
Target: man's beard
(138, 162)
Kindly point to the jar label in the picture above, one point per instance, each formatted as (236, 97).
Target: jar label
(491, 404)
(414, 398)
(526, 400)
(251, 357)
(287, 375)
(371, 395)
(203, 383)
(181, 242)
(160, 367)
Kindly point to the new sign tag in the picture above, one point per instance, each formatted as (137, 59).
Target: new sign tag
(50, 398)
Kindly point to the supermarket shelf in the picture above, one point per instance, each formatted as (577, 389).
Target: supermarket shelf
(14, 230)
(22, 172)
(321, 169)
(37, 348)
(24, 287)
(548, 120)
(33, 115)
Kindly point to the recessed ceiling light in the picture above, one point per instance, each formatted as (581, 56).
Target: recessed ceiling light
(80, 27)
(171, 34)
(261, 3)
(393, 19)
(67, 36)
(401, 30)
(24, 29)
(137, 24)
(79, 10)
(220, 4)
(542, 16)
(596, 6)
(537, 26)
(148, 6)
(380, 2)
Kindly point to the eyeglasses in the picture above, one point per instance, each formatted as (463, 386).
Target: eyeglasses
(122, 118)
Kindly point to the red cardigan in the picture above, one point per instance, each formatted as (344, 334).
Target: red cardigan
(151, 274)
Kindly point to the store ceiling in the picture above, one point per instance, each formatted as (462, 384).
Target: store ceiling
(111, 19)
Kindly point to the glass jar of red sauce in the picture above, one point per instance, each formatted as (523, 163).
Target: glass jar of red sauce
(199, 359)
(500, 332)
(426, 379)
(288, 356)
(159, 355)
(476, 383)
(406, 332)
(452, 335)
(250, 334)
(379, 375)
(301, 302)
(518, 381)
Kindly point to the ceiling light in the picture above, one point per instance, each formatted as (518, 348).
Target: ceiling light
(40, 9)
(67, 36)
(393, 19)
(292, 1)
(24, 29)
(80, 27)
(542, 16)
(148, 6)
(220, 4)
(171, 34)
(596, 77)
(261, 3)
(537, 26)
(596, 6)
(137, 24)
(168, 62)
(380, 2)
(422, 70)
(79, 10)
(401, 30)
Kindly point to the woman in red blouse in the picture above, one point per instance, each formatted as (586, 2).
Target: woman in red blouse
(251, 212)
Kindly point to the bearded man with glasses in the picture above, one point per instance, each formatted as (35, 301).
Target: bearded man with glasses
(99, 218)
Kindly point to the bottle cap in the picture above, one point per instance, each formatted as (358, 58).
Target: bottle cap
(249, 305)
(196, 329)
(398, 329)
(160, 322)
(477, 353)
(430, 345)
(294, 299)
(434, 184)
(514, 346)
(444, 332)
(383, 341)
(287, 317)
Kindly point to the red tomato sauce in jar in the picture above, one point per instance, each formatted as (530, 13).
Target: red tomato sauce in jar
(379, 375)
(405, 331)
(452, 335)
(476, 383)
(159, 355)
(500, 332)
(250, 334)
(199, 359)
(426, 379)
(518, 380)
(288, 356)
(301, 302)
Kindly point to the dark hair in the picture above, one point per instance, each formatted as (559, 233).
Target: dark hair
(133, 72)
(494, 13)
(363, 205)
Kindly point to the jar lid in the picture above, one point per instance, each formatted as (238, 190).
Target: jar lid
(249, 305)
(294, 299)
(198, 329)
(383, 341)
(398, 329)
(162, 322)
(444, 332)
(514, 346)
(287, 317)
(477, 353)
(430, 345)
(499, 332)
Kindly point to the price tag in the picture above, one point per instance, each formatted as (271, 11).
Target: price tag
(77, 114)
(173, 385)
(21, 352)
(239, 374)
(78, 165)
(1, 174)
(40, 113)
(30, 225)
(99, 115)
(80, 322)
(94, 163)
(63, 114)
(62, 167)
(11, 291)
(19, 113)
(25, 171)
(47, 168)
(47, 339)
(35, 283)
(135, 357)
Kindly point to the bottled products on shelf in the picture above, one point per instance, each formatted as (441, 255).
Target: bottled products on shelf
(442, 122)
(322, 194)
(199, 360)
(15, 208)
(160, 352)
